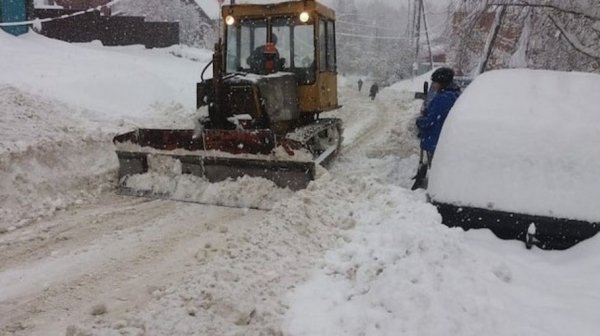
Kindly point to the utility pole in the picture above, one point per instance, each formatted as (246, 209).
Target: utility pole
(378, 40)
(409, 23)
(427, 35)
(418, 12)
(418, 7)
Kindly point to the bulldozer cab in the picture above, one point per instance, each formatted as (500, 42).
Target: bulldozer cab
(295, 37)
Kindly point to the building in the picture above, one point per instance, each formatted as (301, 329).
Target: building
(196, 27)
(154, 23)
(84, 4)
(101, 25)
(14, 11)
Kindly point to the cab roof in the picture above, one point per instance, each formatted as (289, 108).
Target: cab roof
(277, 9)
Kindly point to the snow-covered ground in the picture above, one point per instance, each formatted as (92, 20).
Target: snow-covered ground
(356, 253)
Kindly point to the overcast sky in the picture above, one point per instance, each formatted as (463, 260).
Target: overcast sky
(211, 7)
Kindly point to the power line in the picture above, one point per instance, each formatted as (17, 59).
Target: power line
(377, 27)
(364, 25)
(374, 37)
(437, 13)
(434, 28)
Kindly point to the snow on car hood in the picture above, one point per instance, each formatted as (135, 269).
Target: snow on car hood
(523, 141)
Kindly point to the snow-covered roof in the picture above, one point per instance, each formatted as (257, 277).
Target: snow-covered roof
(46, 4)
(523, 141)
(210, 7)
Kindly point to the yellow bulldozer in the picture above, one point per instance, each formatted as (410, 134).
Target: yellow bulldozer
(273, 74)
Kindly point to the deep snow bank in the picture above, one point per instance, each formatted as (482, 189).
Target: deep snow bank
(49, 157)
(402, 272)
(61, 104)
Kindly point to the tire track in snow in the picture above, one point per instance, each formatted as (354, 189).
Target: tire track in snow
(115, 254)
(378, 127)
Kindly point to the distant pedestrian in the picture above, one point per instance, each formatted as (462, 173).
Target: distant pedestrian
(360, 83)
(373, 91)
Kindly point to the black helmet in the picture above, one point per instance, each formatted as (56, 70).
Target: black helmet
(443, 76)
(273, 38)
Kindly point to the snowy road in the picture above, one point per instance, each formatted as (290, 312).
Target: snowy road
(355, 253)
(107, 253)
(95, 265)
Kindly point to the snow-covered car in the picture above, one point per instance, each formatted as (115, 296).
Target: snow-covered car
(519, 154)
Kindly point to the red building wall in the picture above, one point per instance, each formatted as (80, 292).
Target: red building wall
(506, 41)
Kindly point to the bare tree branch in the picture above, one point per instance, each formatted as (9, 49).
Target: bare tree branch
(471, 22)
(573, 40)
(590, 14)
(577, 20)
(489, 45)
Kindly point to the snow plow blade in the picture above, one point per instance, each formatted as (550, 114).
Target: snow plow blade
(198, 157)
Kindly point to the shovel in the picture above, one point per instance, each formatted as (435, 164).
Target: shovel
(421, 174)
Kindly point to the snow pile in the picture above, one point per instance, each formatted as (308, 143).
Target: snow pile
(50, 157)
(414, 84)
(399, 260)
(211, 8)
(403, 273)
(114, 83)
(60, 106)
(523, 141)
(238, 287)
(203, 56)
(391, 269)
(244, 192)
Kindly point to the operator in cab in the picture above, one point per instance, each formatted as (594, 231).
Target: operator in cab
(265, 59)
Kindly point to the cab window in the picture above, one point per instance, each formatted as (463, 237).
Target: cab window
(327, 57)
(296, 46)
(242, 39)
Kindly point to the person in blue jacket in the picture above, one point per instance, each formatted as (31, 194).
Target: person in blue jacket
(431, 122)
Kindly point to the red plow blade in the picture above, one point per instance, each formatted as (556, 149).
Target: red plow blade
(197, 157)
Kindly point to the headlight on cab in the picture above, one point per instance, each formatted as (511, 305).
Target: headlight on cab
(304, 17)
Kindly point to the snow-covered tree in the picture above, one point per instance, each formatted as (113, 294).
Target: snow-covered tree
(371, 39)
(549, 34)
(195, 27)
